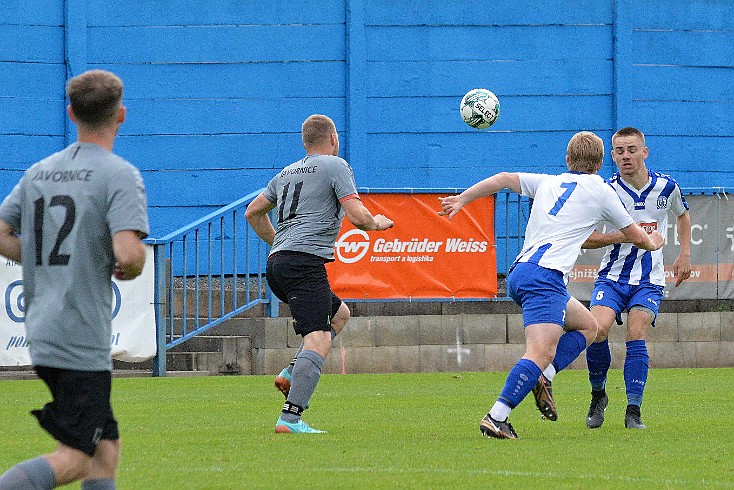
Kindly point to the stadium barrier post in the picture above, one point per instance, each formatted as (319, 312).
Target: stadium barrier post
(160, 264)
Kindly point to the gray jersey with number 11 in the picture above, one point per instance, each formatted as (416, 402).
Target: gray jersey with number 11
(307, 195)
(67, 207)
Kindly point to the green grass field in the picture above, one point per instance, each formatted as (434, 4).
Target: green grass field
(401, 431)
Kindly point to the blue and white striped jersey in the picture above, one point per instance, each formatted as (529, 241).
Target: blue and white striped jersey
(625, 263)
(566, 210)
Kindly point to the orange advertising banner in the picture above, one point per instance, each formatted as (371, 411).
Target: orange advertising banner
(423, 256)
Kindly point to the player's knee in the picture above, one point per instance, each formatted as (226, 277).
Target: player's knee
(340, 318)
(602, 333)
(109, 457)
(69, 464)
(318, 341)
(590, 330)
(105, 460)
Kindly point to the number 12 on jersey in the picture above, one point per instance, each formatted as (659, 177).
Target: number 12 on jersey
(66, 202)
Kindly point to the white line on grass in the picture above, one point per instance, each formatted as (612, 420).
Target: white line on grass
(525, 474)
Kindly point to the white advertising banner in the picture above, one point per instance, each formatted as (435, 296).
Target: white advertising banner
(133, 316)
(712, 254)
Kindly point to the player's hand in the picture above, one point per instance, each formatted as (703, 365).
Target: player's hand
(383, 223)
(119, 274)
(657, 239)
(681, 269)
(450, 206)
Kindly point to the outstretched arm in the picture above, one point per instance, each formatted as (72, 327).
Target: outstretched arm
(487, 187)
(640, 239)
(358, 214)
(601, 240)
(257, 215)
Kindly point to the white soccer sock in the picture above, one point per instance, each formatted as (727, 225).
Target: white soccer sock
(500, 411)
(550, 372)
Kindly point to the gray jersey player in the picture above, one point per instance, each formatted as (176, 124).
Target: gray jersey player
(312, 196)
(74, 220)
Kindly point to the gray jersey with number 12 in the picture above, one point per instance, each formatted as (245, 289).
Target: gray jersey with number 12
(67, 207)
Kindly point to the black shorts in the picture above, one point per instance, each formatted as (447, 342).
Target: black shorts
(80, 414)
(299, 279)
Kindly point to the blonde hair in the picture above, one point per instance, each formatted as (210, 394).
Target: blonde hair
(317, 130)
(585, 152)
(95, 97)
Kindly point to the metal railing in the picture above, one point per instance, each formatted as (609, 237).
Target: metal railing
(206, 273)
(219, 256)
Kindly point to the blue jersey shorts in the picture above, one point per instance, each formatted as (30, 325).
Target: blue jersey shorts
(624, 297)
(540, 292)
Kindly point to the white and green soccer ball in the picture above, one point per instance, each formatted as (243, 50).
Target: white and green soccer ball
(480, 108)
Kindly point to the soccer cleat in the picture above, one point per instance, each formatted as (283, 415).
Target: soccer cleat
(283, 383)
(500, 430)
(544, 398)
(300, 427)
(595, 417)
(632, 419)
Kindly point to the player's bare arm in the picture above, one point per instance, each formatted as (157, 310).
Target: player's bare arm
(9, 242)
(601, 240)
(682, 265)
(257, 215)
(640, 239)
(129, 254)
(358, 214)
(504, 180)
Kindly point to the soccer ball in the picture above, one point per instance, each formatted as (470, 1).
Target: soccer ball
(480, 108)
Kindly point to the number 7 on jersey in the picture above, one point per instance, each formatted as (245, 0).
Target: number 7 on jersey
(569, 186)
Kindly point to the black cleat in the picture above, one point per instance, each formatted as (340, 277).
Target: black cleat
(544, 398)
(632, 419)
(500, 430)
(595, 417)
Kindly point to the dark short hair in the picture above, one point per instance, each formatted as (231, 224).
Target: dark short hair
(629, 131)
(95, 97)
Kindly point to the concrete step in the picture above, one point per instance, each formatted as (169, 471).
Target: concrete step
(212, 355)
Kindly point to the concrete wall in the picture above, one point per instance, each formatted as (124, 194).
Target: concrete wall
(483, 342)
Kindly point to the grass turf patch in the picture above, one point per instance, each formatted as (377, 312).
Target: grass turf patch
(401, 430)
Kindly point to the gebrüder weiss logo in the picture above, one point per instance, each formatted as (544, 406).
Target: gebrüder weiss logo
(352, 246)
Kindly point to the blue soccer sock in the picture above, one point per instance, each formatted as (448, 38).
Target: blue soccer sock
(598, 359)
(520, 381)
(636, 366)
(570, 345)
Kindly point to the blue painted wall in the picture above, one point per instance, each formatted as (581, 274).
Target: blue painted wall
(216, 92)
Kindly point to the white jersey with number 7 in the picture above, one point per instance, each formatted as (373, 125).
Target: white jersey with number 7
(566, 209)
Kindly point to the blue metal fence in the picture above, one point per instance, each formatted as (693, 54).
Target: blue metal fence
(219, 256)
(217, 264)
